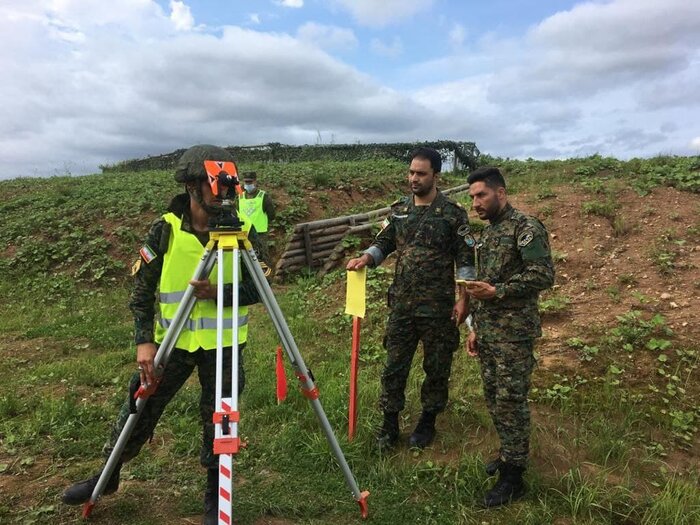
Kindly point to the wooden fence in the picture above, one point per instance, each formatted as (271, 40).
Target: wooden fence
(319, 244)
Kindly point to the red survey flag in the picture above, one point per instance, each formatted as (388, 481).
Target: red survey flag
(355, 306)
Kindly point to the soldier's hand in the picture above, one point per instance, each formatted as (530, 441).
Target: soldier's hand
(480, 289)
(145, 354)
(358, 263)
(459, 311)
(203, 289)
(471, 345)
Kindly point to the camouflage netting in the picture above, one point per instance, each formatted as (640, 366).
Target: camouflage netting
(466, 154)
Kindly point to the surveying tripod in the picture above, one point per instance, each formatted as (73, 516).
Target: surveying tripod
(227, 234)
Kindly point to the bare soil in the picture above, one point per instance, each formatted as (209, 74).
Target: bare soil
(598, 270)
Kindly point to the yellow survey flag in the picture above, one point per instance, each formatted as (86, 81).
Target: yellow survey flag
(355, 293)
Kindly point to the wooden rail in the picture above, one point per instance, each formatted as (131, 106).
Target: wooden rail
(319, 244)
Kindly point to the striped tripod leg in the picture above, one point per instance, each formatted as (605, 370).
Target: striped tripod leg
(225, 489)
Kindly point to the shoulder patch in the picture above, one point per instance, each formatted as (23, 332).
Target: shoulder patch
(147, 254)
(525, 238)
(384, 224)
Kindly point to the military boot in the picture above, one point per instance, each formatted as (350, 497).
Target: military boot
(80, 492)
(424, 433)
(509, 487)
(211, 498)
(388, 434)
(493, 466)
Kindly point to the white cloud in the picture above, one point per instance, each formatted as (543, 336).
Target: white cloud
(327, 37)
(392, 50)
(380, 13)
(695, 144)
(595, 46)
(181, 16)
(457, 35)
(122, 97)
(92, 85)
(254, 18)
(290, 3)
(600, 77)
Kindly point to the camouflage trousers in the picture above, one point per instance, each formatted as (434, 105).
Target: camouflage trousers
(177, 371)
(440, 338)
(506, 368)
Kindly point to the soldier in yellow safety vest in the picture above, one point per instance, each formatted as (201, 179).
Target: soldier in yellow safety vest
(257, 205)
(166, 263)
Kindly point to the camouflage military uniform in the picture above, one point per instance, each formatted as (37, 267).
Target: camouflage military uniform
(422, 295)
(513, 254)
(182, 362)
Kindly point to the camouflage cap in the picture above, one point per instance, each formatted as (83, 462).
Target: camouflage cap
(190, 167)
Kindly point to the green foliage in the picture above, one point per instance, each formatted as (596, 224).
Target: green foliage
(633, 329)
(682, 173)
(606, 209)
(600, 175)
(666, 251)
(554, 304)
(678, 503)
(545, 192)
(627, 279)
(467, 153)
(601, 435)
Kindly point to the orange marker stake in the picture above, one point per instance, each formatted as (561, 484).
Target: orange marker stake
(281, 377)
(354, 358)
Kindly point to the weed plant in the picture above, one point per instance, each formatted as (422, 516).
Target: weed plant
(603, 436)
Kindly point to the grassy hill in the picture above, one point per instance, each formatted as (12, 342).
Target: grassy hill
(615, 395)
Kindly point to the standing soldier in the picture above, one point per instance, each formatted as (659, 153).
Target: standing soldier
(257, 205)
(167, 261)
(514, 264)
(426, 231)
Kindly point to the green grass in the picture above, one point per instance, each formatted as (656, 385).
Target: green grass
(603, 435)
(287, 470)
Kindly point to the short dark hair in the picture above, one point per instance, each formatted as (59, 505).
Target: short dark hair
(429, 154)
(490, 175)
(251, 175)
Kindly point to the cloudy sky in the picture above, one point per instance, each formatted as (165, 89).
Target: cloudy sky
(86, 83)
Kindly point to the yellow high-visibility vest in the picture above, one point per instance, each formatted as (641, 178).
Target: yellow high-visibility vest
(179, 263)
(252, 207)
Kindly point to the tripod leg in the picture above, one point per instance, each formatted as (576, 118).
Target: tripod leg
(308, 387)
(226, 440)
(161, 359)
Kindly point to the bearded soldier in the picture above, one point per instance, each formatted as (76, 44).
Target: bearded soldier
(426, 230)
(514, 264)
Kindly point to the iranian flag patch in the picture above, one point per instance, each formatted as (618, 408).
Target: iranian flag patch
(147, 253)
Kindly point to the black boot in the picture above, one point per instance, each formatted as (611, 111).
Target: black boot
(424, 433)
(509, 487)
(388, 434)
(211, 498)
(493, 466)
(80, 492)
